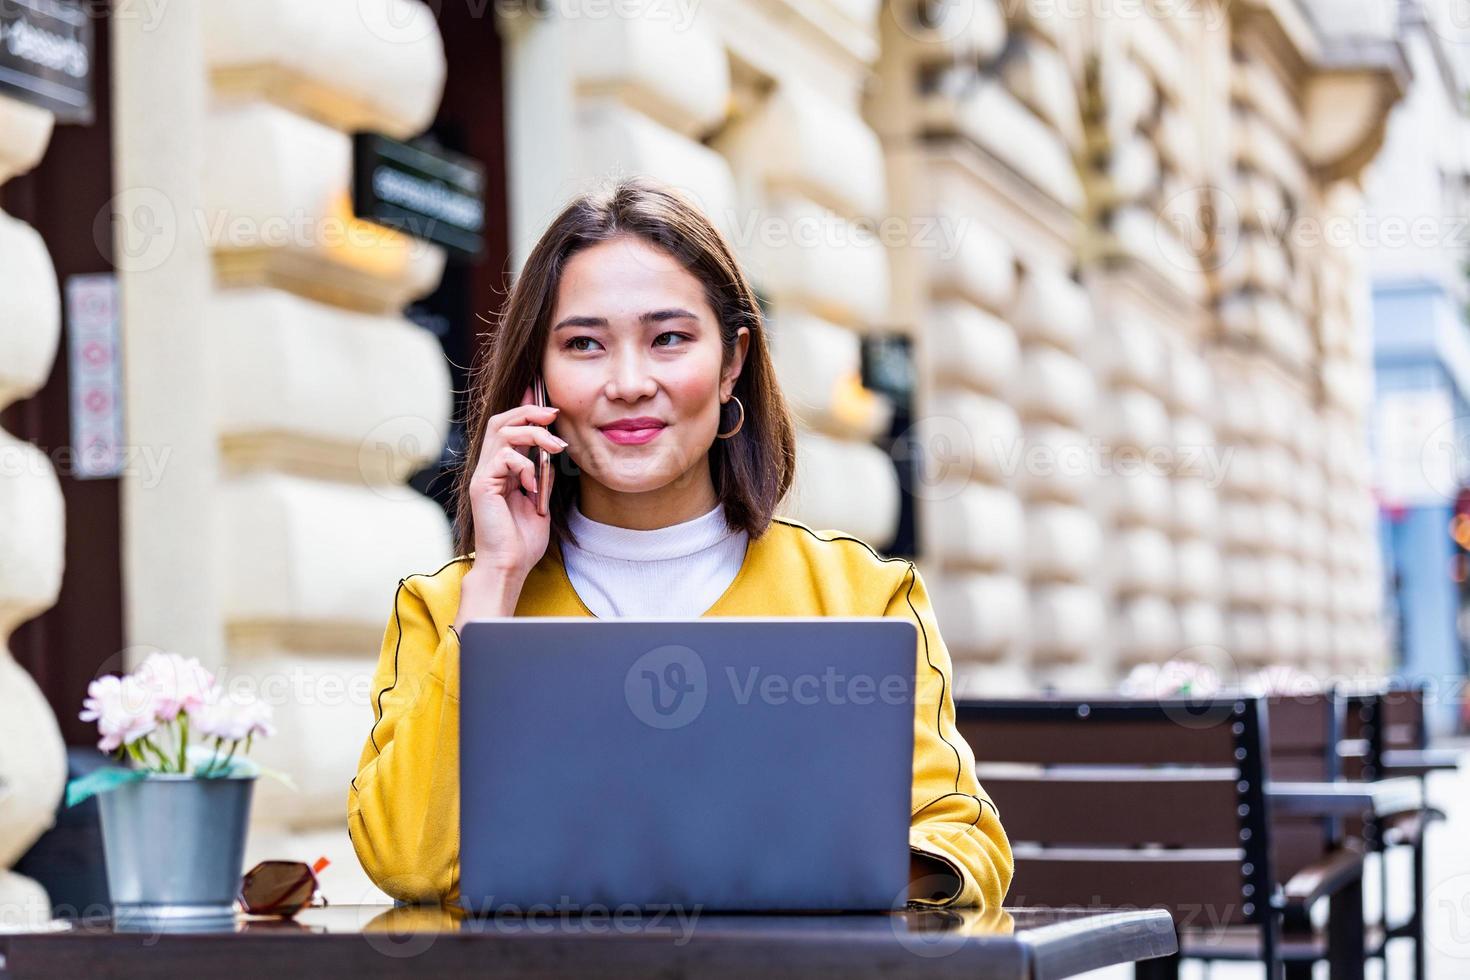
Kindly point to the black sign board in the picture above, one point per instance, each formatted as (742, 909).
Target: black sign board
(424, 191)
(46, 56)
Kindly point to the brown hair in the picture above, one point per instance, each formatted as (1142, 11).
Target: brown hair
(752, 469)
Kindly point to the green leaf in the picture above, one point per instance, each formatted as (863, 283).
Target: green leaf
(100, 781)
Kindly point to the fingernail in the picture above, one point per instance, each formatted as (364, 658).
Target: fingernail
(562, 441)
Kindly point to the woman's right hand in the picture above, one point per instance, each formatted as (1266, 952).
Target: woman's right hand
(510, 536)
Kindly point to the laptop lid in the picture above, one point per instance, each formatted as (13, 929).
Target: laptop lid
(720, 763)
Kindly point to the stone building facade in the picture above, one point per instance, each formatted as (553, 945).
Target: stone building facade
(32, 528)
(1141, 388)
(1164, 342)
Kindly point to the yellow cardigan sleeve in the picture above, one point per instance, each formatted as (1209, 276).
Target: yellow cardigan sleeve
(953, 820)
(403, 805)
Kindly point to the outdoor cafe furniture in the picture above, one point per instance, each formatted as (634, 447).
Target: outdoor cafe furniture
(1384, 745)
(1161, 804)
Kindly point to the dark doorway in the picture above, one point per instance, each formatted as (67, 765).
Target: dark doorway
(65, 646)
(471, 121)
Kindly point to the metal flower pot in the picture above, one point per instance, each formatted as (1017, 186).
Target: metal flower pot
(175, 845)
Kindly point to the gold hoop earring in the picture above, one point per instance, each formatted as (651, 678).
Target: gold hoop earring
(740, 405)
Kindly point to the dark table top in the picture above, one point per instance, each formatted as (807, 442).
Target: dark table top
(362, 941)
(1345, 798)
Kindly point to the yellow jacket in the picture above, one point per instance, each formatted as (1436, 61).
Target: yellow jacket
(403, 805)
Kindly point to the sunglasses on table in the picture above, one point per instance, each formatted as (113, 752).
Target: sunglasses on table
(281, 888)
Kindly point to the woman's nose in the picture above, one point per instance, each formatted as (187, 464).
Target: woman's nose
(631, 379)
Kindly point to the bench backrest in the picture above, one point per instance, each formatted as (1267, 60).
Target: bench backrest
(1131, 803)
(1305, 729)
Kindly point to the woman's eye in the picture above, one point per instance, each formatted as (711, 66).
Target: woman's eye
(577, 343)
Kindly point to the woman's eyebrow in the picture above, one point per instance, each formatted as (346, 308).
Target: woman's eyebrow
(652, 316)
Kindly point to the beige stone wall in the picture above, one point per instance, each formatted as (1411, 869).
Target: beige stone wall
(265, 344)
(1143, 295)
(1143, 392)
(32, 526)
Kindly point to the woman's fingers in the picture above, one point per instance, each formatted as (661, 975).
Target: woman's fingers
(514, 465)
(528, 435)
(522, 415)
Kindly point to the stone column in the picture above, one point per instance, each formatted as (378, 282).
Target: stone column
(977, 105)
(1151, 122)
(1309, 103)
(32, 527)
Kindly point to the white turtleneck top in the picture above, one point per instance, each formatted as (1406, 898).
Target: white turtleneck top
(674, 572)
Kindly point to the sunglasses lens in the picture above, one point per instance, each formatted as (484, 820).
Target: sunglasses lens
(277, 887)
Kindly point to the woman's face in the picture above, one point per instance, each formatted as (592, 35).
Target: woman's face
(633, 362)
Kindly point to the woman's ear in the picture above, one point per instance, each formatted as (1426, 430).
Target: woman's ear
(731, 373)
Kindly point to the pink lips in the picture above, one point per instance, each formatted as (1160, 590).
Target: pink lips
(633, 432)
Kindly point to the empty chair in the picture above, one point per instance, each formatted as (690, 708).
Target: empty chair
(1384, 736)
(1304, 733)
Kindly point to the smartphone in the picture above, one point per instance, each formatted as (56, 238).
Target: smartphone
(540, 458)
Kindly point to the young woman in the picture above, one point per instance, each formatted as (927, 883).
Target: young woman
(672, 446)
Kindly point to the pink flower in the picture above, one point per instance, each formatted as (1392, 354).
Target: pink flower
(177, 684)
(231, 720)
(124, 709)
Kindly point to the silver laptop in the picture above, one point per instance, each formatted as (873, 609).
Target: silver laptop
(722, 764)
